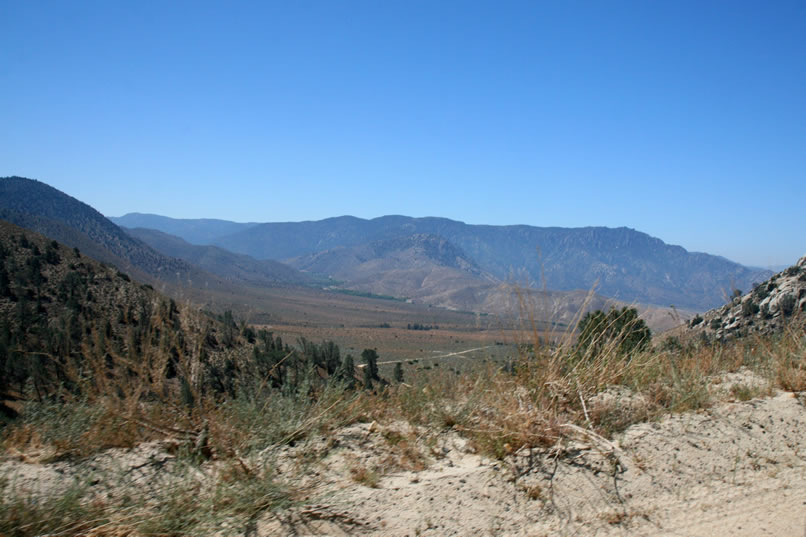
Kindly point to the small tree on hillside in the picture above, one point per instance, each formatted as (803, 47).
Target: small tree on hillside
(398, 372)
(346, 373)
(370, 357)
(367, 378)
(621, 330)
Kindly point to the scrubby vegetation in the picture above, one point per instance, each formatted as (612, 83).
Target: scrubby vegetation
(91, 360)
(421, 326)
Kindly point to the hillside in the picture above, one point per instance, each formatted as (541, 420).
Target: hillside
(622, 263)
(428, 269)
(769, 308)
(247, 289)
(63, 314)
(238, 268)
(160, 426)
(36, 206)
(418, 266)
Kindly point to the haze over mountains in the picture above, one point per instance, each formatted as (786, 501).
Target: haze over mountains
(620, 263)
(198, 231)
(221, 262)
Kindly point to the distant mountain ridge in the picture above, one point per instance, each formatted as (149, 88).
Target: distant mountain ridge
(621, 263)
(237, 267)
(199, 231)
(41, 208)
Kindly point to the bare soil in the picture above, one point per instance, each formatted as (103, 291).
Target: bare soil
(735, 470)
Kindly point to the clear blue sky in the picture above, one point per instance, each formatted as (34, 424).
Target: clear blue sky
(683, 119)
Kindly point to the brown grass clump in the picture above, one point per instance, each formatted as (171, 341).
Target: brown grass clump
(365, 476)
(554, 387)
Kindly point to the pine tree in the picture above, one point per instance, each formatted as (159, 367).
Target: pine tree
(347, 372)
(370, 357)
(367, 379)
(398, 372)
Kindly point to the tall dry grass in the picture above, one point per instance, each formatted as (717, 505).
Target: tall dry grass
(552, 389)
(557, 388)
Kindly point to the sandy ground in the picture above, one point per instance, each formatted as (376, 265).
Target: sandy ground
(736, 470)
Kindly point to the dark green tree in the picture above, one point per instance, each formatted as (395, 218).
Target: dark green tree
(367, 378)
(370, 357)
(230, 329)
(331, 355)
(621, 330)
(398, 372)
(346, 372)
(5, 282)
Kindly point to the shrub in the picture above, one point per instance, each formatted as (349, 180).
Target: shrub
(749, 308)
(760, 292)
(672, 344)
(398, 372)
(622, 329)
(793, 271)
(786, 304)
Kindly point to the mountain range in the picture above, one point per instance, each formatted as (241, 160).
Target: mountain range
(39, 207)
(620, 263)
(424, 269)
(430, 261)
(221, 262)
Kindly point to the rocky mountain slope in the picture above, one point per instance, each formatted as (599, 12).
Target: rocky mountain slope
(622, 263)
(428, 269)
(768, 308)
(420, 266)
(235, 267)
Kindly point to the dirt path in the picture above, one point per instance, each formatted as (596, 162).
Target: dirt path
(438, 357)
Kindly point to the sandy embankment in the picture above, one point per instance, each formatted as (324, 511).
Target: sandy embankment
(735, 470)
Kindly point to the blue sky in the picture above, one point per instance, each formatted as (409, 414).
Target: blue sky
(683, 119)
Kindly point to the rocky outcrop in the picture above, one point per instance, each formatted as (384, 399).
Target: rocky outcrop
(768, 308)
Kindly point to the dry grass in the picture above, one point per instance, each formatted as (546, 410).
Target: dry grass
(552, 390)
(365, 476)
(553, 386)
(81, 511)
